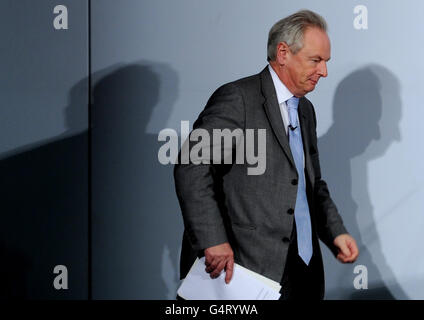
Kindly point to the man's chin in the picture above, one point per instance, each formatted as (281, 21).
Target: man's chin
(310, 88)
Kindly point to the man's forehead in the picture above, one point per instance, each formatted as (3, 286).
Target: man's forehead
(315, 35)
(314, 31)
(316, 42)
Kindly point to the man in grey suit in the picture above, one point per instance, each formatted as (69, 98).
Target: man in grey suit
(270, 222)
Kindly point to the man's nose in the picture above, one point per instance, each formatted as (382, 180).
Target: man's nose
(322, 69)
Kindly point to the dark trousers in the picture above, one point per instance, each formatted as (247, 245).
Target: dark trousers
(301, 281)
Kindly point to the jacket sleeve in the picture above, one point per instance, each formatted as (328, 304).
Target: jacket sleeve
(199, 186)
(330, 223)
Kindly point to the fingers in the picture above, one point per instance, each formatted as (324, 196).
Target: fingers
(346, 258)
(354, 252)
(344, 249)
(217, 270)
(354, 248)
(229, 271)
(348, 251)
(210, 266)
(218, 258)
(342, 258)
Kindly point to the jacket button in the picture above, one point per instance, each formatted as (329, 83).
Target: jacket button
(294, 182)
(285, 239)
(290, 211)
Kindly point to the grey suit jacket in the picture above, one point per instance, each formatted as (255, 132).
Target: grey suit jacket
(254, 213)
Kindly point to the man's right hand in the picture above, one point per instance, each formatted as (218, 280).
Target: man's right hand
(218, 258)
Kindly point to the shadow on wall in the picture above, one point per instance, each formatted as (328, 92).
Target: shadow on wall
(137, 225)
(367, 112)
(44, 189)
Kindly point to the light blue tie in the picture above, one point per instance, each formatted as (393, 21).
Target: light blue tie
(301, 211)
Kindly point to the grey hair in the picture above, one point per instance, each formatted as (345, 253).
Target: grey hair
(291, 29)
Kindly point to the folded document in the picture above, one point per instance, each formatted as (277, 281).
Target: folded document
(244, 285)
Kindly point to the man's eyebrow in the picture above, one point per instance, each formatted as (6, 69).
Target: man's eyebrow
(319, 57)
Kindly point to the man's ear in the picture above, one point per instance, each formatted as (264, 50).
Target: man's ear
(282, 51)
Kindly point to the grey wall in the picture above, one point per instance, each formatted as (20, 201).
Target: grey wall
(43, 149)
(154, 64)
(161, 60)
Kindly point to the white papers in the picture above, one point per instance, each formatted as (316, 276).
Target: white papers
(244, 285)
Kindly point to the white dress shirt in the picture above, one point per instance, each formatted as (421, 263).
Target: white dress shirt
(283, 94)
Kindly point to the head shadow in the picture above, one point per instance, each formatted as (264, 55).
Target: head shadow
(358, 115)
(45, 208)
(137, 224)
(367, 109)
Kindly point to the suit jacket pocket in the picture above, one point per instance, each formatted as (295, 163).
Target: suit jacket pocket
(243, 226)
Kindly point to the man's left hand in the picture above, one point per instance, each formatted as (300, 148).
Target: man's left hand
(348, 250)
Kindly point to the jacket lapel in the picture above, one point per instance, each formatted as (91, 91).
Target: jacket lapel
(272, 110)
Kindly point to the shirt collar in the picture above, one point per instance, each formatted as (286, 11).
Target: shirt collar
(283, 94)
